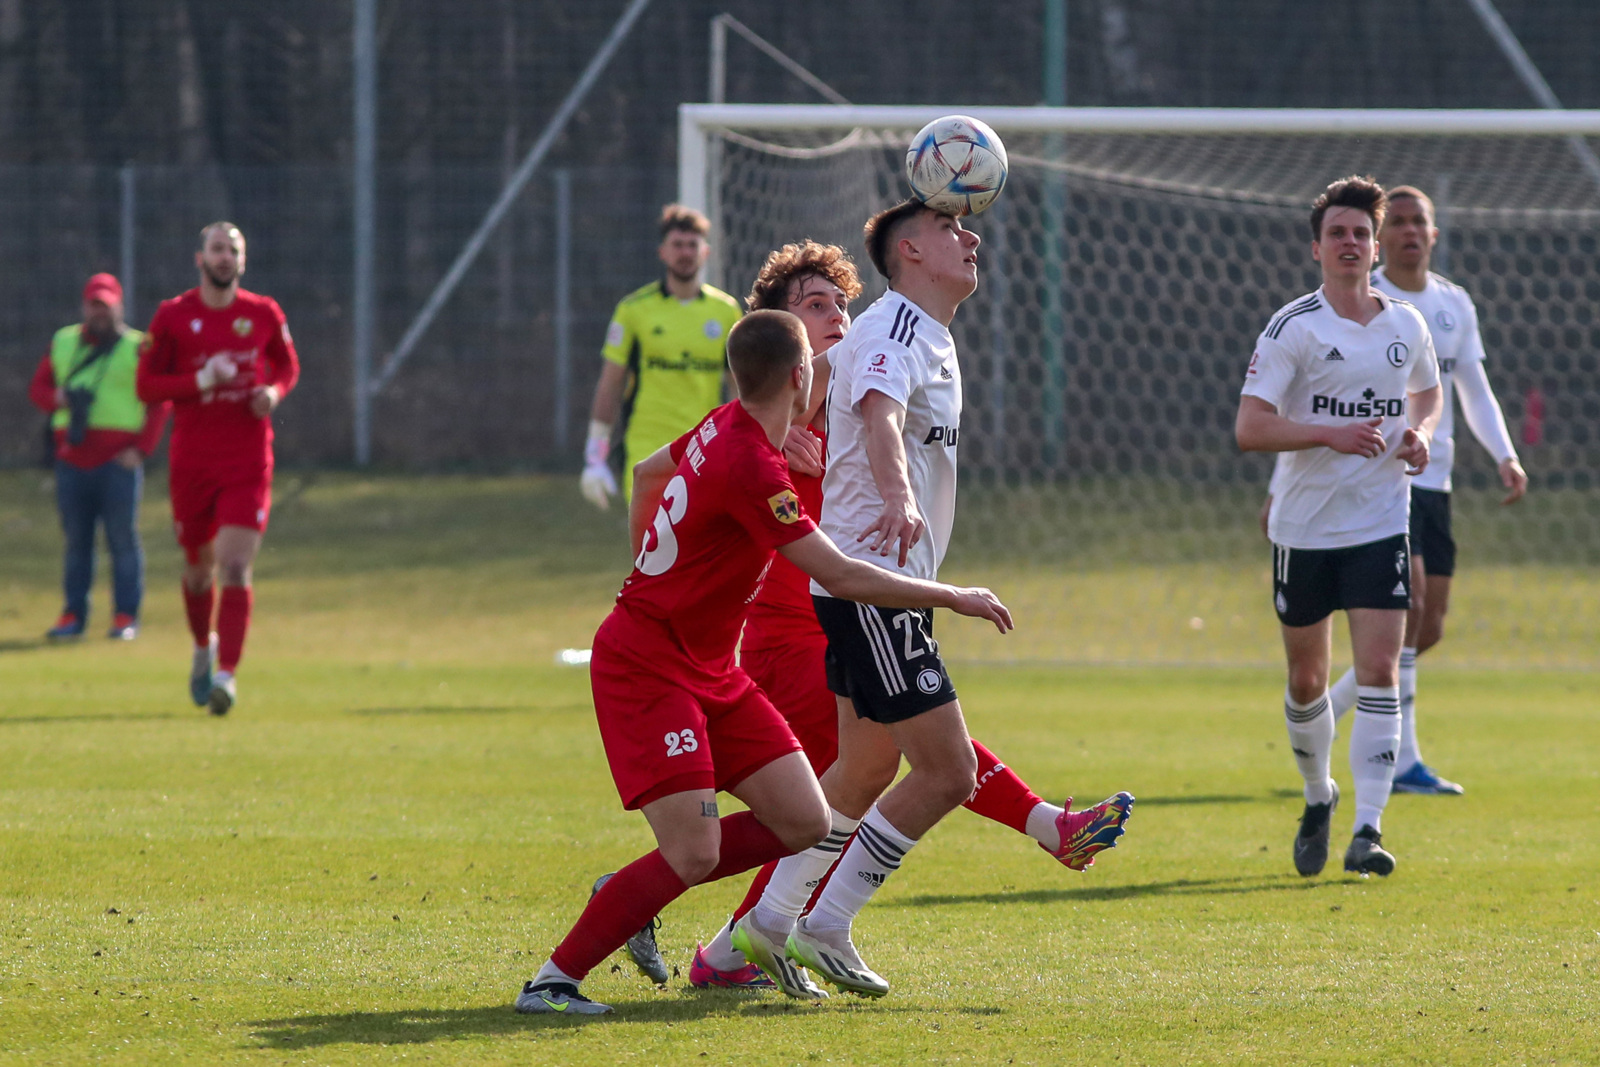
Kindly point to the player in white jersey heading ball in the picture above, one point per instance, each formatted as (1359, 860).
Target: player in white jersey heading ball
(1345, 381)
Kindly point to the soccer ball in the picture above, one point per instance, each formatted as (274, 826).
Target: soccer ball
(956, 165)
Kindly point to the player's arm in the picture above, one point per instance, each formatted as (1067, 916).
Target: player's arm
(852, 579)
(802, 448)
(285, 363)
(650, 478)
(884, 420)
(42, 390)
(155, 380)
(1423, 409)
(1488, 425)
(599, 485)
(1259, 428)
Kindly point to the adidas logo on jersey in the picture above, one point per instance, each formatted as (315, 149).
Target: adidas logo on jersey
(1333, 354)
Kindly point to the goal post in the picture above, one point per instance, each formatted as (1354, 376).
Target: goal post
(1126, 271)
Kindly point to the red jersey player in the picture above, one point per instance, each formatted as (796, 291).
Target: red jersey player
(679, 719)
(224, 357)
(784, 646)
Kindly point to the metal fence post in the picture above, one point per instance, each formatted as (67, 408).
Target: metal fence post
(365, 121)
(563, 320)
(129, 239)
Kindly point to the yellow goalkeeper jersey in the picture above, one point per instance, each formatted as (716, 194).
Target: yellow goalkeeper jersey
(675, 353)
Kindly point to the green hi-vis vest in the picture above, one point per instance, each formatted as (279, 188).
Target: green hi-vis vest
(116, 399)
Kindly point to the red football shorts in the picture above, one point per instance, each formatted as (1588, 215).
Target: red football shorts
(205, 500)
(669, 728)
(794, 678)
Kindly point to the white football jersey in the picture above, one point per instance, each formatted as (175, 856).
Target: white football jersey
(1317, 367)
(901, 351)
(1453, 322)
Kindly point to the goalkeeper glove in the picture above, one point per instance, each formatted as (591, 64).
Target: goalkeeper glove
(599, 485)
(218, 369)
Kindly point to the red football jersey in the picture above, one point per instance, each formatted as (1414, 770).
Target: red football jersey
(783, 608)
(728, 507)
(216, 428)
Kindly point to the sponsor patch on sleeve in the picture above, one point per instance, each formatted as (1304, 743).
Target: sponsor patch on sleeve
(785, 507)
(614, 334)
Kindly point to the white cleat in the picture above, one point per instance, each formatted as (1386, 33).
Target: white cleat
(769, 955)
(223, 693)
(831, 954)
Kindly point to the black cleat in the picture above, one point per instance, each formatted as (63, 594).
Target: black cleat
(642, 946)
(1311, 843)
(1366, 855)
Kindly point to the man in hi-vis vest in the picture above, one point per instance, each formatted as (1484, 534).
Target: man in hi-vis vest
(103, 433)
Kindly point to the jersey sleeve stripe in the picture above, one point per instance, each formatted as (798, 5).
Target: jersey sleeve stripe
(1276, 328)
(1298, 305)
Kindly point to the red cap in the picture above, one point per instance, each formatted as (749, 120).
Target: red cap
(104, 288)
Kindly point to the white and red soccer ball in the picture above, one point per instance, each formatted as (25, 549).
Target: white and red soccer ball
(956, 165)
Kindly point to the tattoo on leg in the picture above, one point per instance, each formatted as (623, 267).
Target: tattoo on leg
(708, 808)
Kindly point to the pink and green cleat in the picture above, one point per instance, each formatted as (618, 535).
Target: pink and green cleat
(1086, 833)
(704, 976)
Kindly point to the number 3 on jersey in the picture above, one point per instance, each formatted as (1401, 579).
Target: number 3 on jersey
(660, 549)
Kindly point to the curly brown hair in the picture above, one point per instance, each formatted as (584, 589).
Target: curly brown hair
(770, 290)
(1357, 191)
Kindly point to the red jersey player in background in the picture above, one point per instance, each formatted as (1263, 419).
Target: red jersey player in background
(678, 717)
(784, 645)
(224, 358)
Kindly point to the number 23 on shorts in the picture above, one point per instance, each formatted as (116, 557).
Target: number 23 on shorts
(680, 742)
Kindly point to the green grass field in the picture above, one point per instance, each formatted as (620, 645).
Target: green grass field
(406, 810)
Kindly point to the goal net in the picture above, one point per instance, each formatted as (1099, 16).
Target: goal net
(1125, 273)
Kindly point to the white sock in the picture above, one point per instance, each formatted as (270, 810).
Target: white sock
(1042, 825)
(796, 879)
(875, 854)
(551, 973)
(1311, 741)
(1373, 740)
(1409, 753)
(1342, 694)
(720, 953)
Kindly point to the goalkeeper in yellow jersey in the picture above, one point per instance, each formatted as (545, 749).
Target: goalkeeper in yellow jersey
(663, 360)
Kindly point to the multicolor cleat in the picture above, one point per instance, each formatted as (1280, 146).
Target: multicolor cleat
(833, 956)
(704, 976)
(1086, 833)
(1421, 778)
(773, 959)
(557, 998)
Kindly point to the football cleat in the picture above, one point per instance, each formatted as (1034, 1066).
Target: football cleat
(67, 628)
(1366, 855)
(224, 693)
(200, 672)
(557, 998)
(771, 957)
(704, 976)
(1311, 842)
(123, 628)
(831, 955)
(1421, 778)
(642, 948)
(1091, 831)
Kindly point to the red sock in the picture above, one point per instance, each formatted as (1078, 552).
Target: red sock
(1000, 795)
(638, 892)
(199, 607)
(233, 620)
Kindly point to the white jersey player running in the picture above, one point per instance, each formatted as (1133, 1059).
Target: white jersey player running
(1407, 240)
(1345, 381)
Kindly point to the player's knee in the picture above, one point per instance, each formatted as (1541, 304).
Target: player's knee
(805, 825)
(234, 572)
(693, 860)
(958, 777)
(1306, 684)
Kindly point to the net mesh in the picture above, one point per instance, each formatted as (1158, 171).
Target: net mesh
(1124, 280)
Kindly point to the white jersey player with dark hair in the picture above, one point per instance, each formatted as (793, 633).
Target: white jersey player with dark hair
(894, 419)
(1345, 382)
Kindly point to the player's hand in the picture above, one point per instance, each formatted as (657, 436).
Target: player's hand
(803, 450)
(263, 400)
(1514, 478)
(1413, 451)
(599, 485)
(900, 524)
(218, 370)
(1358, 439)
(1266, 513)
(130, 458)
(979, 603)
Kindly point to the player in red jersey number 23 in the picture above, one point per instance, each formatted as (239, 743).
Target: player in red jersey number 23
(678, 717)
(224, 357)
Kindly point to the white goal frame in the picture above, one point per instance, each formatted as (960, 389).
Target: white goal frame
(698, 124)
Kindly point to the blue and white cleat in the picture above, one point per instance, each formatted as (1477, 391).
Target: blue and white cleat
(201, 669)
(557, 998)
(1421, 778)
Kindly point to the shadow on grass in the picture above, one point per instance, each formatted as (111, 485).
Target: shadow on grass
(1217, 798)
(424, 1025)
(1200, 887)
(27, 645)
(35, 720)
